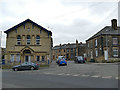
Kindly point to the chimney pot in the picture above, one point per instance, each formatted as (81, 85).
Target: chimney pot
(76, 41)
(114, 23)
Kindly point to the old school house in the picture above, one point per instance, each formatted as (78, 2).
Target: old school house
(27, 42)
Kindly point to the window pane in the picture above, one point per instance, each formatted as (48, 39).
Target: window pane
(96, 52)
(115, 41)
(71, 56)
(38, 37)
(88, 44)
(28, 42)
(18, 40)
(18, 37)
(38, 58)
(17, 57)
(96, 42)
(67, 50)
(37, 40)
(28, 39)
(12, 57)
(115, 52)
(43, 58)
(28, 36)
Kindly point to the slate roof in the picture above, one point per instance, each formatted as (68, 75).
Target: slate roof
(108, 30)
(64, 46)
(23, 23)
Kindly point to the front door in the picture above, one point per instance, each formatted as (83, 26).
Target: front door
(106, 54)
(27, 59)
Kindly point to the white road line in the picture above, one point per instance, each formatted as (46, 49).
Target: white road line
(76, 75)
(95, 76)
(67, 74)
(116, 78)
(85, 75)
(61, 74)
(48, 73)
(107, 77)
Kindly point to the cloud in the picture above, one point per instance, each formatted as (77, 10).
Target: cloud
(69, 19)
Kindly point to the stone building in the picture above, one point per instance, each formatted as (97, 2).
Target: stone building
(28, 41)
(69, 50)
(105, 45)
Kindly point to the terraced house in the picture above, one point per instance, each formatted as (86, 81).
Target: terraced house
(69, 50)
(27, 42)
(105, 45)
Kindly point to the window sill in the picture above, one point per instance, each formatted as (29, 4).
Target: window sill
(115, 55)
(114, 44)
(28, 45)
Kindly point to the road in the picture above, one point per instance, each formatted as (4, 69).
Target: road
(70, 76)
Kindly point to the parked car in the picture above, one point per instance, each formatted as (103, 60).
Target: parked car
(59, 58)
(26, 66)
(62, 60)
(79, 59)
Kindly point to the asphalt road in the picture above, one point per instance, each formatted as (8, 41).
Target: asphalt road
(71, 76)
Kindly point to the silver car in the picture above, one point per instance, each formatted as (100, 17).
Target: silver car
(26, 66)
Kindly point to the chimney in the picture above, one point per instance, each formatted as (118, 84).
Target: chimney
(76, 42)
(60, 45)
(114, 24)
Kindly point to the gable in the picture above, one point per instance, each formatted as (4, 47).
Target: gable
(108, 30)
(24, 23)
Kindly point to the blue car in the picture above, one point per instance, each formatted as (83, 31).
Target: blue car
(62, 61)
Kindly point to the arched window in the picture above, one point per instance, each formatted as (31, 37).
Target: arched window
(18, 40)
(27, 52)
(28, 40)
(37, 40)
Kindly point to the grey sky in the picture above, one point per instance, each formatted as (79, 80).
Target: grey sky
(67, 19)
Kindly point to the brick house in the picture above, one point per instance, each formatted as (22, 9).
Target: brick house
(105, 44)
(69, 50)
(28, 41)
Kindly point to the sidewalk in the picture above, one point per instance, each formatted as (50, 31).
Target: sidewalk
(103, 63)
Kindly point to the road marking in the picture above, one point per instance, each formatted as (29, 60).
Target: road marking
(76, 75)
(85, 75)
(95, 76)
(116, 78)
(67, 74)
(47, 73)
(61, 74)
(107, 77)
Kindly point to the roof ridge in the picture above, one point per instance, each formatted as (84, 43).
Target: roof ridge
(23, 22)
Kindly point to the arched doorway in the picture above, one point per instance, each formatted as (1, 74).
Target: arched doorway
(27, 55)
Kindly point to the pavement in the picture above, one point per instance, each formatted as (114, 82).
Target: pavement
(34, 80)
